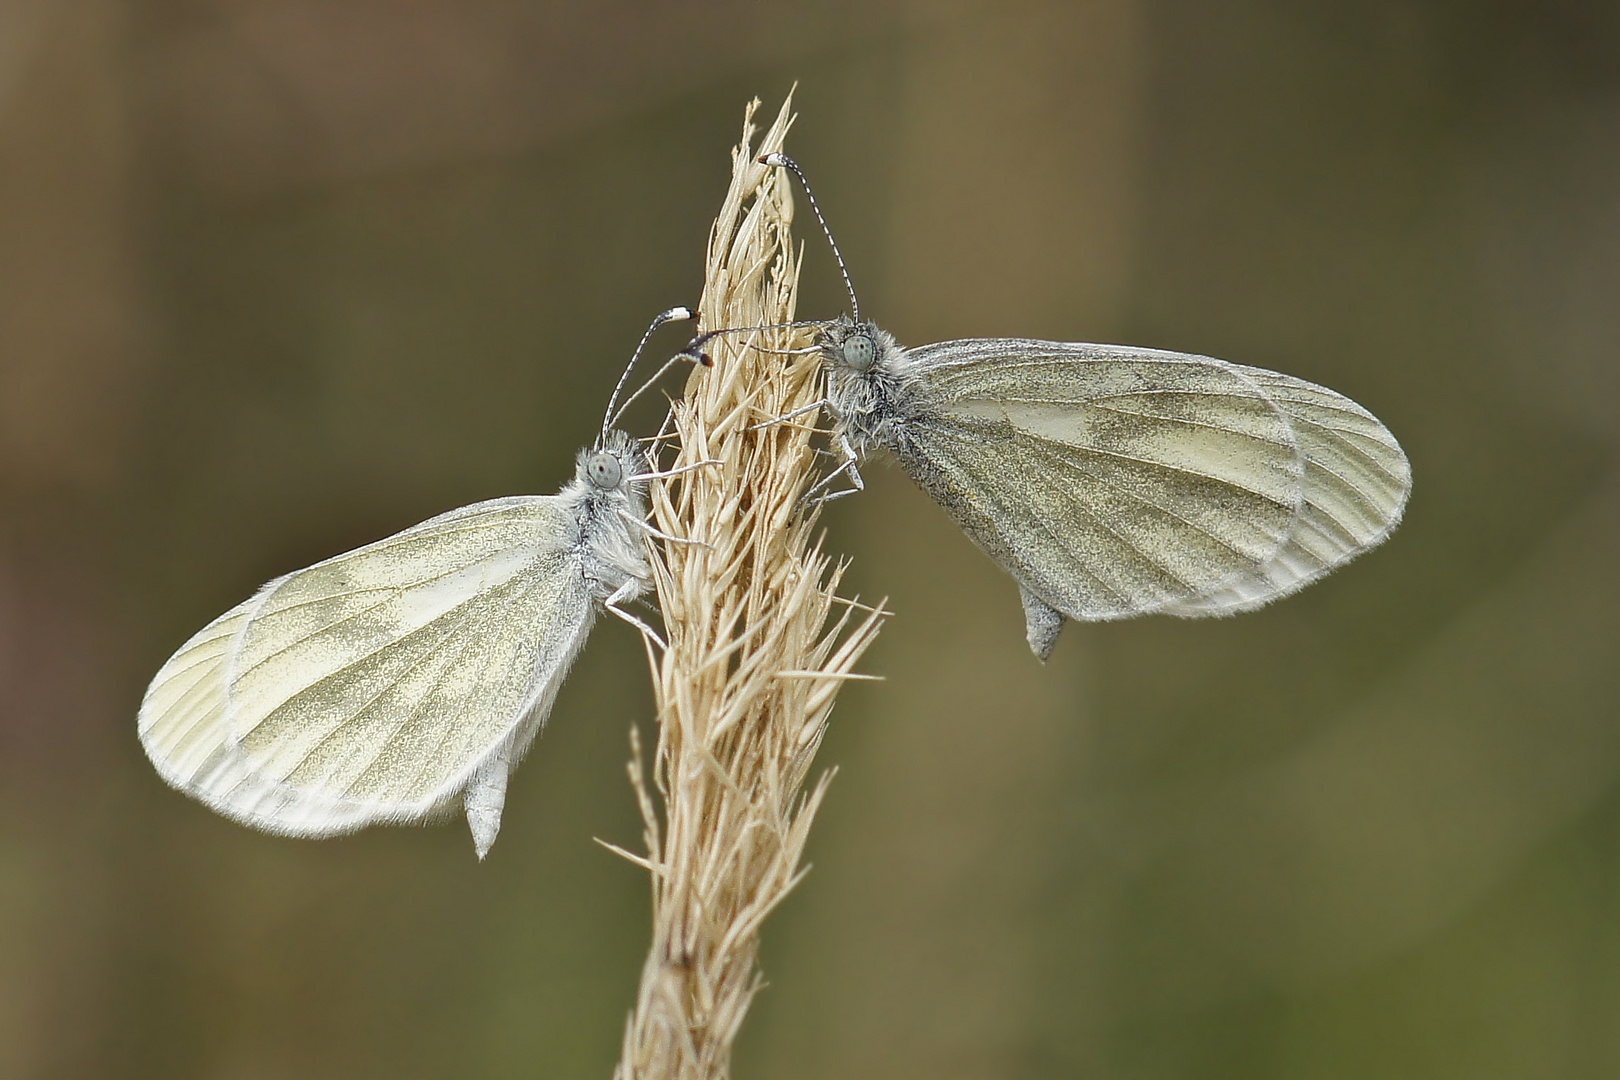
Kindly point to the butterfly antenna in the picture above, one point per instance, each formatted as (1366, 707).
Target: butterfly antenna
(785, 162)
(694, 349)
(674, 314)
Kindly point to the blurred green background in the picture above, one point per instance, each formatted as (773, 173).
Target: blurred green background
(278, 277)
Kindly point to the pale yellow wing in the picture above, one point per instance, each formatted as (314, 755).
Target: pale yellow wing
(379, 685)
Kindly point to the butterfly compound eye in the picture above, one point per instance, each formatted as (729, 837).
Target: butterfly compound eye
(604, 471)
(859, 351)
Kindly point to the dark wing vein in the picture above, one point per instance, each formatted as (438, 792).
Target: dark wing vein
(1177, 468)
(461, 646)
(991, 493)
(1098, 404)
(1177, 515)
(360, 709)
(389, 593)
(1031, 513)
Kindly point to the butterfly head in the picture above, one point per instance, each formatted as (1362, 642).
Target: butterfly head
(608, 501)
(614, 463)
(856, 346)
(604, 471)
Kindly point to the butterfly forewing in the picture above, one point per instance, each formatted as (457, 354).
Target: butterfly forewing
(371, 686)
(1356, 483)
(182, 717)
(1111, 481)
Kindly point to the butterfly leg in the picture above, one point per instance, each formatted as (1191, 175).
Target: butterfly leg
(785, 417)
(667, 473)
(623, 593)
(847, 465)
(850, 465)
(652, 530)
(805, 351)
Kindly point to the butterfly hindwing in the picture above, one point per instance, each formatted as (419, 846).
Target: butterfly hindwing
(372, 687)
(1110, 481)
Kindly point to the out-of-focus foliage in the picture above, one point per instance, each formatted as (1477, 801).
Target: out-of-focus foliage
(277, 278)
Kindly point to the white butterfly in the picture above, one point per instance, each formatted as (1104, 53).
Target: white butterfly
(1113, 481)
(384, 685)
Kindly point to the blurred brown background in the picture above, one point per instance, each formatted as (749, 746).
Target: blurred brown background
(278, 277)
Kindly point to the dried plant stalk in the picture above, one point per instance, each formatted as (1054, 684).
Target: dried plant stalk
(746, 685)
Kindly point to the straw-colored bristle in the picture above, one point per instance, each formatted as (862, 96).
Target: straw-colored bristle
(755, 656)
